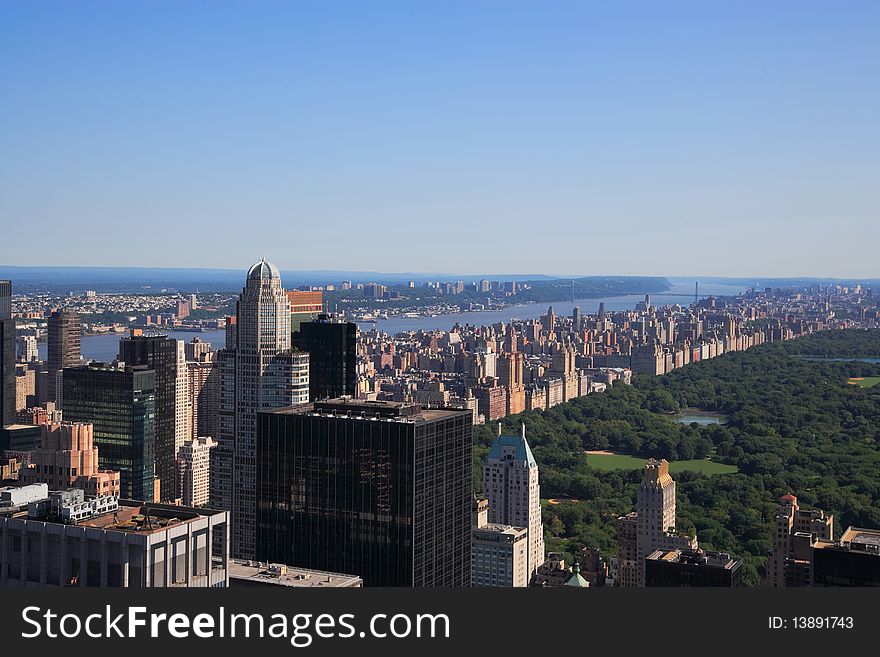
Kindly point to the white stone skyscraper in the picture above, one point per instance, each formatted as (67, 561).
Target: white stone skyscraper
(182, 406)
(194, 470)
(267, 375)
(510, 483)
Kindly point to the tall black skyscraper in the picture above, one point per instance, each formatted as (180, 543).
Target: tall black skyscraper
(379, 489)
(121, 405)
(159, 354)
(5, 299)
(332, 347)
(7, 355)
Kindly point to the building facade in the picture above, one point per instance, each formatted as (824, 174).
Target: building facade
(692, 568)
(120, 403)
(159, 354)
(7, 372)
(510, 483)
(852, 560)
(379, 489)
(499, 553)
(194, 470)
(267, 375)
(655, 506)
(223, 455)
(7, 355)
(203, 389)
(790, 562)
(332, 347)
(63, 348)
(68, 458)
(135, 545)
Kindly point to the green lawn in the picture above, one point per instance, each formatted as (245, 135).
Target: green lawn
(623, 462)
(865, 382)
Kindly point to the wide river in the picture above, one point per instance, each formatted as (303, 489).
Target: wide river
(105, 347)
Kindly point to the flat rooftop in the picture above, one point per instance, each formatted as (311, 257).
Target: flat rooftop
(862, 536)
(371, 410)
(281, 575)
(141, 518)
(499, 529)
(695, 558)
(856, 539)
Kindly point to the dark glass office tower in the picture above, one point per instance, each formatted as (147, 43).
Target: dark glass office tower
(332, 347)
(7, 371)
(159, 354)
(121, 405)
(5, 299)
(62, 348)
(7, 355)
(379, 489)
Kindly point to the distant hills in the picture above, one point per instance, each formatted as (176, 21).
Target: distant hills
(765, 281)
(105, 279)
(129, 279)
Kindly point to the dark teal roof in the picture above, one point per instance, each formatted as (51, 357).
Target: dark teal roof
(576, 579)
(522, 451)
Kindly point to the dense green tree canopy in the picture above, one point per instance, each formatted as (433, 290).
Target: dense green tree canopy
(793, 425)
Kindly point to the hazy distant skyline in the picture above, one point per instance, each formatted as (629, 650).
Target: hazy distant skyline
(642, 138)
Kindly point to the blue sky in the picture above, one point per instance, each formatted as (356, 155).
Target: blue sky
(667, 138)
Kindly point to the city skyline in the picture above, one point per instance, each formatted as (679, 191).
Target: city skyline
(484, 132)
(30, 274)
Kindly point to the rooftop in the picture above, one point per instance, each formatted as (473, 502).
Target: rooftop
(854, 539)
(370, 410)
(517, 444)
(695, 558)
(140, 518)
(282, 575)
(263, 271)
(505, 530)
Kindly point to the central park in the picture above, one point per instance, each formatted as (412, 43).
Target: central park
(791, 424)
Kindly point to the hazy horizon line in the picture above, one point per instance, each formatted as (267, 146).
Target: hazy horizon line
(425, 274)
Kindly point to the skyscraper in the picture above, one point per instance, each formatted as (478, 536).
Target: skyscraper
(194, 470)
(5, 299)
(120, 403)
(182, 402)
(381, 489)
(63, 348)
(7, 355)
(651, 527)
(332, 347)
(159, 354)
(203, 378)
(655, 506)
(789, 564)
(223, 455)
(305, 306)
(510, 483)
(267, 375)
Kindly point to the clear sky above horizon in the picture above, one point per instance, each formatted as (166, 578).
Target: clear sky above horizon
(472, 136)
